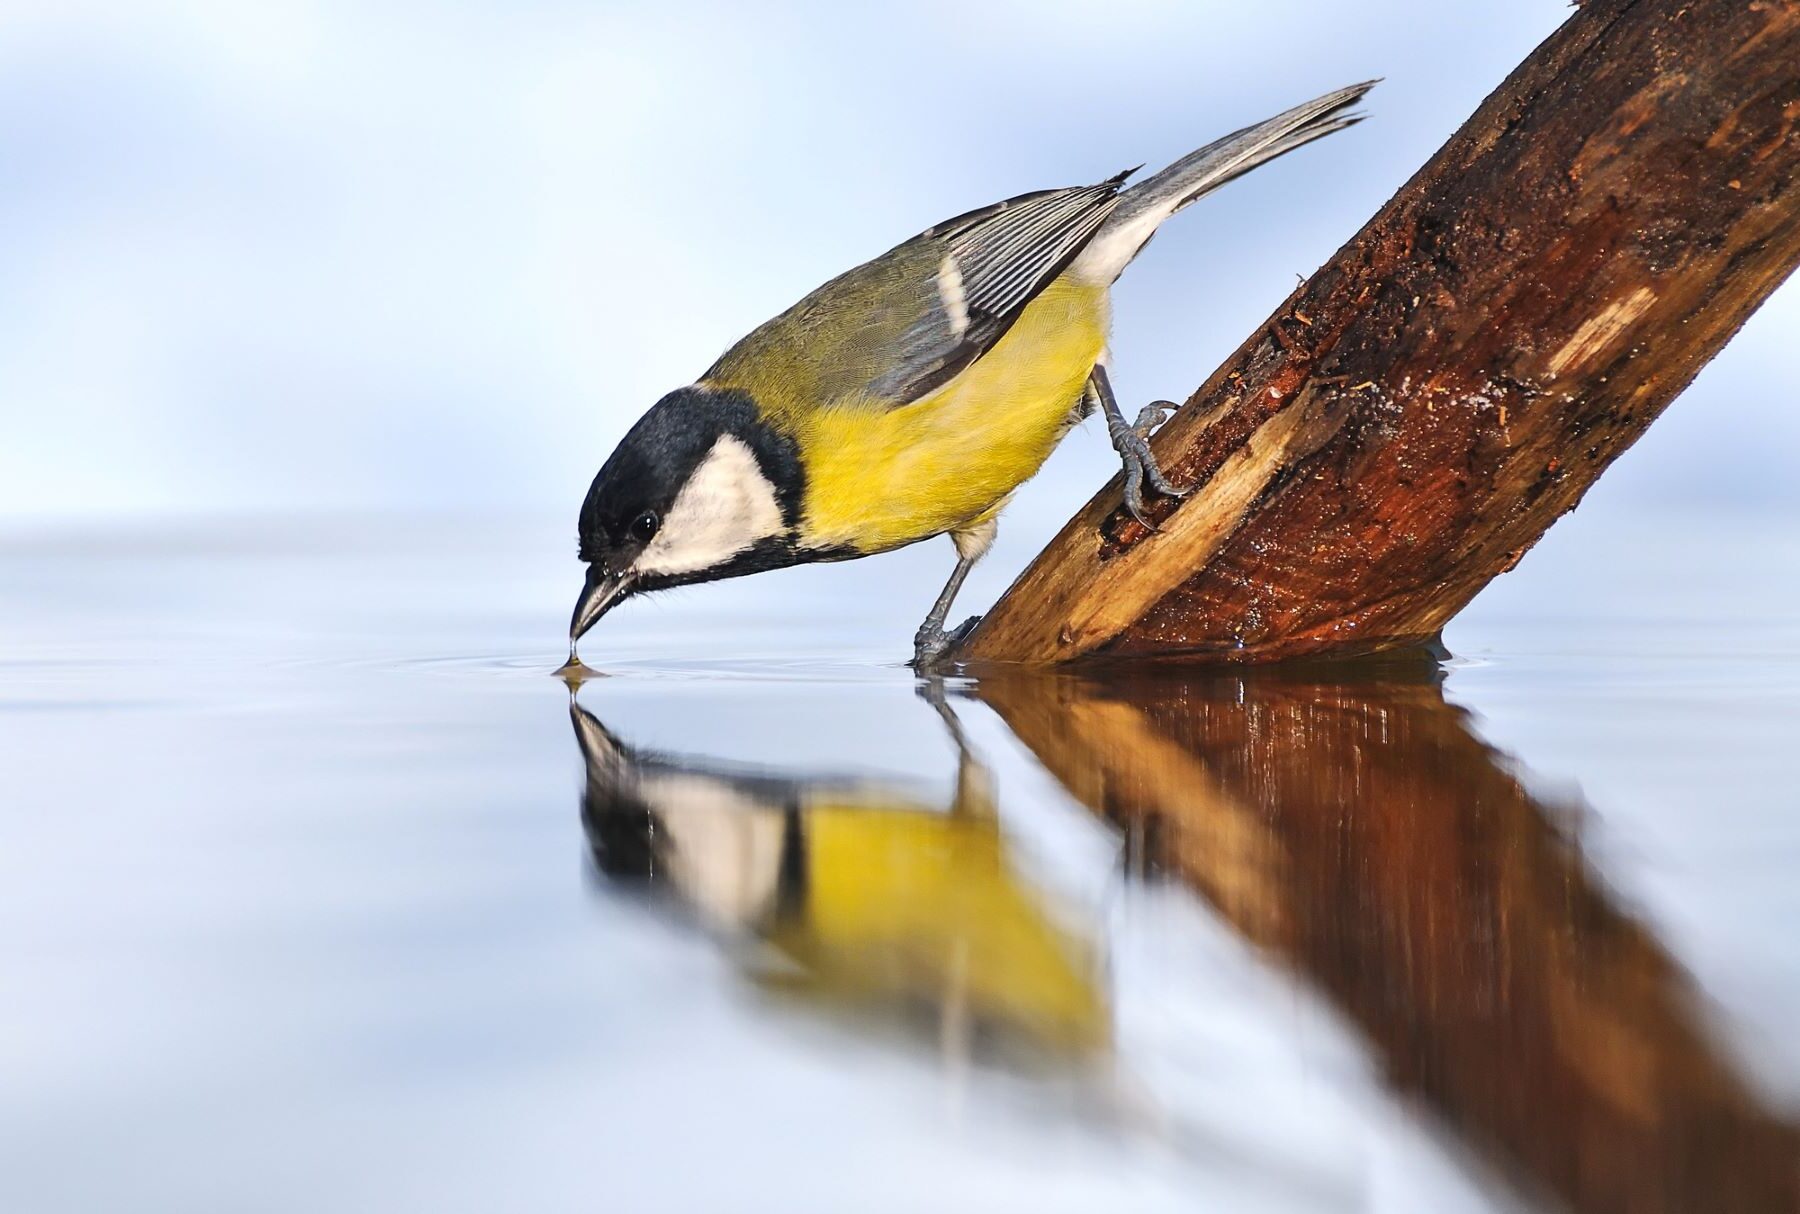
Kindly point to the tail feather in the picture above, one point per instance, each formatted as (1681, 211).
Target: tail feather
(1143, 207)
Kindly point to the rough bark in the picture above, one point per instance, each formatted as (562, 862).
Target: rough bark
(1417, 414)
(1352, 827)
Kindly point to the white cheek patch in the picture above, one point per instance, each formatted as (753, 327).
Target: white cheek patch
(726, 506)
(721, 846)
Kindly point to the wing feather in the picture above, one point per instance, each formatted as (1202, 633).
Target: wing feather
(895, 329)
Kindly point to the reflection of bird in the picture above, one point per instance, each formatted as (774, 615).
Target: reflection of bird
(863, 895)
(906, 398)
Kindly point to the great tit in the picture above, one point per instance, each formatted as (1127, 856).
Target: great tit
(845, 892)
(907, 398)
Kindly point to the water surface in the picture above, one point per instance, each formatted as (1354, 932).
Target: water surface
(319, 891)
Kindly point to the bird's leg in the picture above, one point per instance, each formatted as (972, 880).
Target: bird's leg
(974, 782)
(931, 690)
(1130, 442)
(931, 642)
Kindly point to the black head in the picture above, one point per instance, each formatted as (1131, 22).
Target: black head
(700, 488)
(621, 829)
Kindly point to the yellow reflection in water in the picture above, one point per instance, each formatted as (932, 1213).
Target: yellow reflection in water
(859, 895)
(1346, 820)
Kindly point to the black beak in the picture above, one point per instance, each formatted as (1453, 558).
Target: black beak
(602, 589)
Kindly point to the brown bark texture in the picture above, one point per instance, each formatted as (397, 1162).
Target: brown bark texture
(1352, 827)
(1419, 412)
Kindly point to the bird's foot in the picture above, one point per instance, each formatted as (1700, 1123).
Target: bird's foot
(932, 643)
(1131, 442)
(1151, 416)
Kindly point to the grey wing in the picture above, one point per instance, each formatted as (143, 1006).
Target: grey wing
(993, 262)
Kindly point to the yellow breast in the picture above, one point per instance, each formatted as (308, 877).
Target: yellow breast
(904, 906)
(878, 479)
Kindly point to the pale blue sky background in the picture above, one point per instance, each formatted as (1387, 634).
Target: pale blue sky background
(303, 254)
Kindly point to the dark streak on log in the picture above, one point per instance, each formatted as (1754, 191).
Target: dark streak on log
(1491, 341)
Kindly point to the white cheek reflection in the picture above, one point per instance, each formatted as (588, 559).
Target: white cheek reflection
(726, 506)
(721, 848)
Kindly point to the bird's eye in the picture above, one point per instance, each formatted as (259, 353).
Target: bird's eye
(643, 527)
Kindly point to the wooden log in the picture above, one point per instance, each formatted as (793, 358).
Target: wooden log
(1352, 827)
(1416, 415)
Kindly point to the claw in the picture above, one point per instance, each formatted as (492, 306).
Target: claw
(1132, 444)
(931, 644)
(1134, 489)
(1151, 416)
(1158, 481)
(1141, 468)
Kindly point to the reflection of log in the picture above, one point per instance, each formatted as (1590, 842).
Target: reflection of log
(1417, 414)
(1360, 833)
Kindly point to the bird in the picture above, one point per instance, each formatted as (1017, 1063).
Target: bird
(908, 397)
(847, 892)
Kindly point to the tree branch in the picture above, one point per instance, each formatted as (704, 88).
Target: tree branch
(1416, 415)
